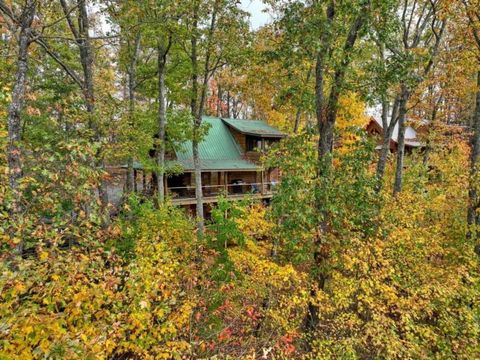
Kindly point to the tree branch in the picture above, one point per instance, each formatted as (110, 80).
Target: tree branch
(62, 18)
(67, 12)
(57, 59)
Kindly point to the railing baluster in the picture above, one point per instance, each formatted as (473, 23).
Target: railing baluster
(188, 192)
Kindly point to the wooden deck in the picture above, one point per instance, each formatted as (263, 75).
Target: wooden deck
(231, 192)
(214, 199)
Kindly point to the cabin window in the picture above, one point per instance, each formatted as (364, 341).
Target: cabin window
(254, 143)
(206, 178)
(268, 143)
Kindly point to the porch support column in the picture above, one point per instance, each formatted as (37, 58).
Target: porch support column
(165, 185)
(225, 183)
(263, 183)
(135, 180)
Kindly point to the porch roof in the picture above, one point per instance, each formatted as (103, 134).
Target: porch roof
(255, 128)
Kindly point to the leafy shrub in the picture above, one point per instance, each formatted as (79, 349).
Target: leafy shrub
(88, 303)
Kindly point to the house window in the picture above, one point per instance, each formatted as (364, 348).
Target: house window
(254, 143)
(269, 142)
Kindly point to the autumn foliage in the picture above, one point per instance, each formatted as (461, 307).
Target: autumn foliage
(147, 288)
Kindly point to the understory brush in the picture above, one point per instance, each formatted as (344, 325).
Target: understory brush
(400, 275)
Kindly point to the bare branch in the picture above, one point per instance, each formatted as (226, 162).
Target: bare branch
(80, 38)
(67, 12)
(438, 39)
(37, 38)
(57, 59)
(8, 12)
(412, 12)
(62, 18)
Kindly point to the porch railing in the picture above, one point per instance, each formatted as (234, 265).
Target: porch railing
(188, 192)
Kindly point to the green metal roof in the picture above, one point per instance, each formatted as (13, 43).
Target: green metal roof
(218, 150)
(254, 127)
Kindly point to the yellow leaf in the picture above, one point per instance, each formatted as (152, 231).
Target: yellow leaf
(44, 345)
(28, 329)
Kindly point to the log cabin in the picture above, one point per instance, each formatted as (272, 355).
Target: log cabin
(375, 128)
(230, 157)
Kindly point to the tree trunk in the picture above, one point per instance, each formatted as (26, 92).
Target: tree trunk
(14, 158)
(319, 104)
(474, 201)
(219, 101)
(473, 216)
(132, 83)
(326, 118)
(383, 156)
(327, 126)
(162, 62)
(298, 116)
(130, 175)
(387, 131)
(312, 317)
(86, 59)
(397, 188)
(198, 103)
(228, 104)
(197, 115)
(198, 185)
(430, 131)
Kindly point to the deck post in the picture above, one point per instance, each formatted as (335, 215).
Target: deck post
(135, 180)
(165, 185)
(144, 181)
(263, 183)
(225, 183)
